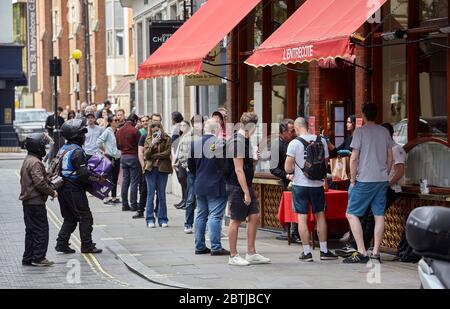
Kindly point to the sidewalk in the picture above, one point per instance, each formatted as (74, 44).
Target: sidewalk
(13, 155)
(168, 255)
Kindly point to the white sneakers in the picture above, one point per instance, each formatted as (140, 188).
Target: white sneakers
(256, 258)
(188, 230)
(237, 261)
(152, 225)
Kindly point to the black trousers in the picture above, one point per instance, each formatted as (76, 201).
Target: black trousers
(182, 179)
(114, 177)
(75, 210)
(36, 232)
(142, 194)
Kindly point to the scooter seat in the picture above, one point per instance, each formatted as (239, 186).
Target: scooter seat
(442, 271)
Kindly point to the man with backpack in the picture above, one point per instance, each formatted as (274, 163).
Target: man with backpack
(307, 158)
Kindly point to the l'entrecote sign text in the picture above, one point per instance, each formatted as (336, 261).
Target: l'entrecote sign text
(295, 53)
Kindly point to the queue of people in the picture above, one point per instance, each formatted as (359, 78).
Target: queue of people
(215, 170)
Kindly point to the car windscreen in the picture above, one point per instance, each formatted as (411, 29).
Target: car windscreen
(31, 116)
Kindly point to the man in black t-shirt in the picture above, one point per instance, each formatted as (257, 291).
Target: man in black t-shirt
(242, 198)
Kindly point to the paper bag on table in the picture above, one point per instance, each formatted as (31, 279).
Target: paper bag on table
(340, 168)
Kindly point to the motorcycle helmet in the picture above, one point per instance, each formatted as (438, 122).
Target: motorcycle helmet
(36, 144)
(74, 131)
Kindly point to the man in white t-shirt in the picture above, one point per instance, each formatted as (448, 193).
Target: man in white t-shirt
(307, 192)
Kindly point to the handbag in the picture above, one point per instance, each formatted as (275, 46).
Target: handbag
(340, 168)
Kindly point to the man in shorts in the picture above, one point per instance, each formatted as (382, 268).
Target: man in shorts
(241, 196)
(307, 192)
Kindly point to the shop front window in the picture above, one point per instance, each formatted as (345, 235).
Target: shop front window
(433, 88)
(430, 161)
(394, 72)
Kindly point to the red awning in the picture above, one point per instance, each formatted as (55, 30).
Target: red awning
(183, 52)
(319, 29)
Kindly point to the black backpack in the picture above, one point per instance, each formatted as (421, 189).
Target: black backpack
(315, 167)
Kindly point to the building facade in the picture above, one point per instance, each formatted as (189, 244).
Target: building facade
(406, 73)
(11, 75)
(58, 28)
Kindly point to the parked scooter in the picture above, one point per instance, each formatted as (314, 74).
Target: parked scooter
(428, 233)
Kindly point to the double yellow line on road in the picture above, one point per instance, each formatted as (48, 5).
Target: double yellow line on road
(90, 259)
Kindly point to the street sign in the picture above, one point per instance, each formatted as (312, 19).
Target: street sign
(161, 31)
(32, 46)
(205, 79)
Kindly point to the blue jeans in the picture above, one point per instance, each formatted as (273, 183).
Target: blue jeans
(210, 210)
(190, 202)
(156, 181)
(131, 176)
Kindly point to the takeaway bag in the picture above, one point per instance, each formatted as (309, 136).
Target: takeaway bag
(340, 168)
(100, 189)
(100, 164)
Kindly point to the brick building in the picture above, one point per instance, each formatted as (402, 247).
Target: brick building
(61, 30)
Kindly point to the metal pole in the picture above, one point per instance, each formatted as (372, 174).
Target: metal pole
(56, 129)
(87, 50)
(77, 93)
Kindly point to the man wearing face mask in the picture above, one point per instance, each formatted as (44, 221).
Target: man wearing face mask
(35, 190)
(72, 195)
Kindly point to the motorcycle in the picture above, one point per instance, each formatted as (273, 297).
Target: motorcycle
(428, 233)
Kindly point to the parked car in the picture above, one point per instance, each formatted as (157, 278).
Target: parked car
(29, 121)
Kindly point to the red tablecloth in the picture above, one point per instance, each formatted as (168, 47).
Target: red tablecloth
(336, 207)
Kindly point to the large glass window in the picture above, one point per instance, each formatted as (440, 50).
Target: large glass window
(394, 72)
(433, 87)
(114, 28)
(430, 161)
(119, 42)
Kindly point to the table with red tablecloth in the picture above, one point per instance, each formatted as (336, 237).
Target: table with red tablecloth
(336, 207)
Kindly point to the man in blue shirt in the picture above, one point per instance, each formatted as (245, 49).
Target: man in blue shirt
(210, 190)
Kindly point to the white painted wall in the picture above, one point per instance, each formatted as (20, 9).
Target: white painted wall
(6, 21)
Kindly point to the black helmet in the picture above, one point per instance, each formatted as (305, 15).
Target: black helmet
(74, 130)
(36, 142)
